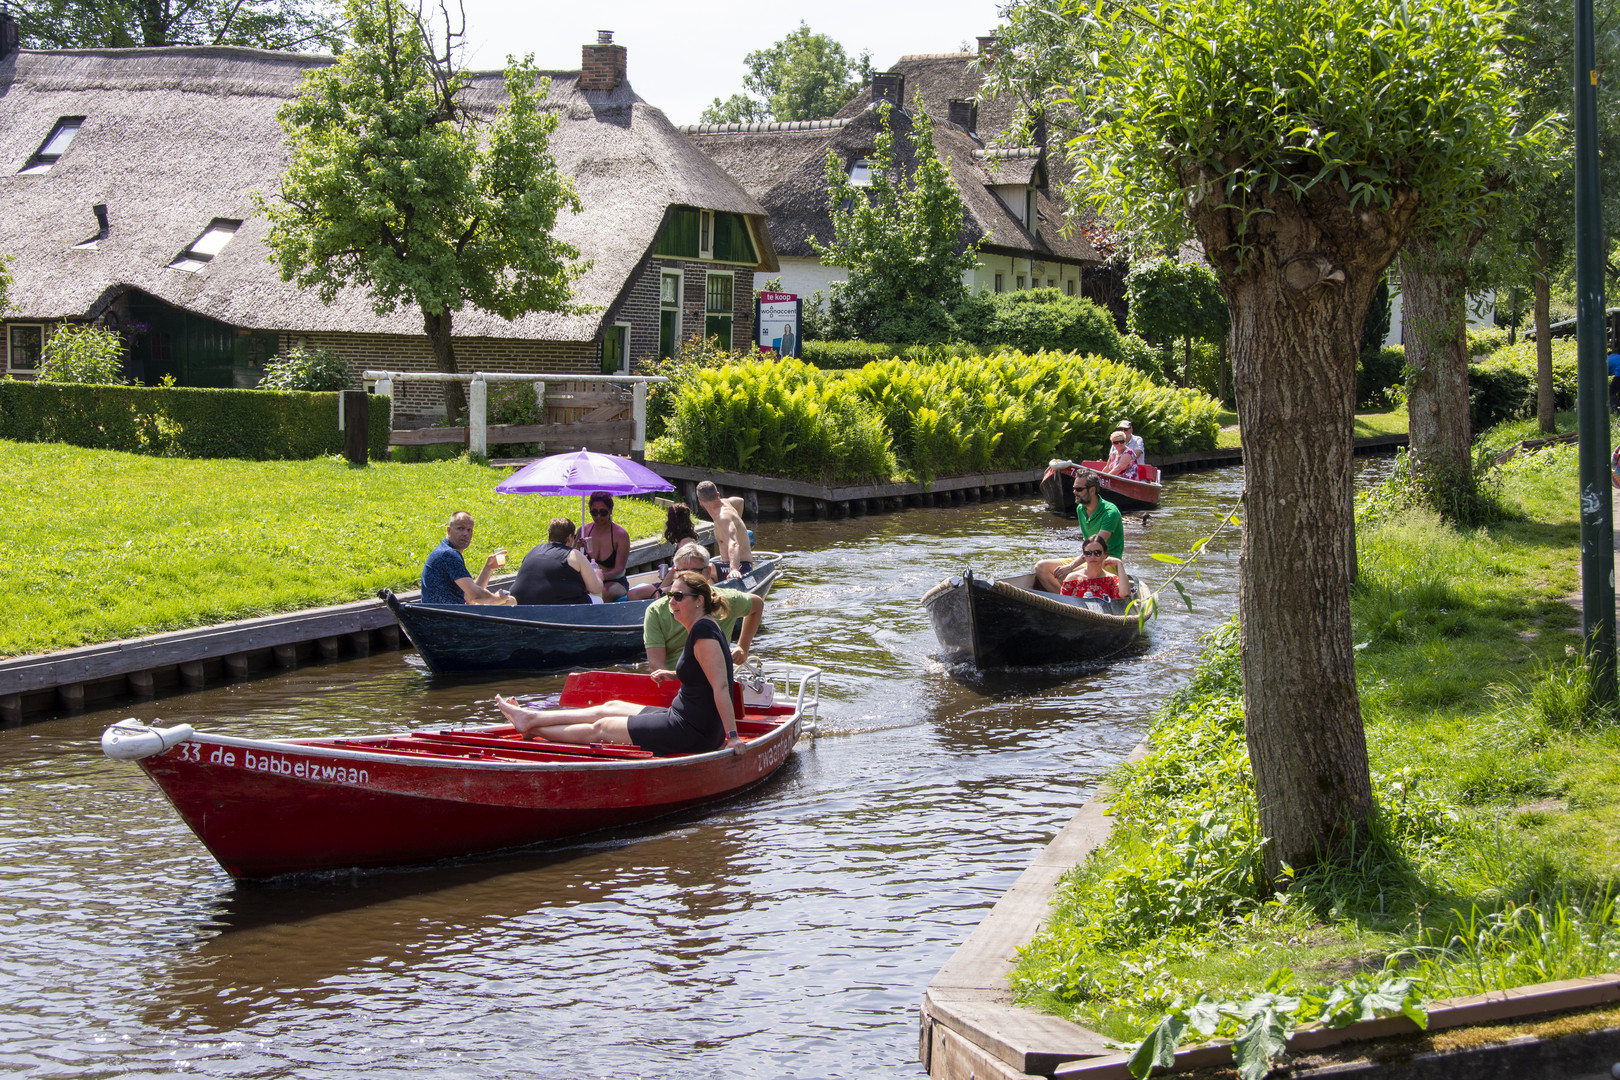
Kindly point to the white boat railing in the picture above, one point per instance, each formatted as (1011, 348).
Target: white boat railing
(808, 677)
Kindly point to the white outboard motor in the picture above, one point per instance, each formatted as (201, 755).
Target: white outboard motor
(131, 740)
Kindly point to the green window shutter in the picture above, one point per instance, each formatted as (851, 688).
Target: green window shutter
(731, 240)
(718, 326)
(613, 349)
(680, 237)
(666, 333)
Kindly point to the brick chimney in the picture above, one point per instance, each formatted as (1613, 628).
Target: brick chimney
(987, 49)
(889, 86)
(601, 66)
(8, 33)
(964, 113)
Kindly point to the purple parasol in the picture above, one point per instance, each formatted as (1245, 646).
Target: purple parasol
(580, 474)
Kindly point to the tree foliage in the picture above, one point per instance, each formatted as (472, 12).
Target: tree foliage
(83, 353)
(301, 368)
(398, 187)
(805, 76)
(306, 25)
(5, 283)
(898, 236)
(1170, 301)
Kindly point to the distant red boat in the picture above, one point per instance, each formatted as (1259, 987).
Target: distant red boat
(1141, 493)
(265, 807)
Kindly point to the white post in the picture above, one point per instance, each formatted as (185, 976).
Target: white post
(638, 411)
(477, 404)
(385, 388)
(540, 409)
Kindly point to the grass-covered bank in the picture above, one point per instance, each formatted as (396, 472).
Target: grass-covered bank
(110, 545)
(1494, 860)
(1368, 425)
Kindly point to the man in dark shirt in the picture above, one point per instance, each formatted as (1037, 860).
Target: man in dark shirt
(445, 579)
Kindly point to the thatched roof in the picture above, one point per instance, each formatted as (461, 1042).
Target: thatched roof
(784, 167)
(176, 137)
(945, 77)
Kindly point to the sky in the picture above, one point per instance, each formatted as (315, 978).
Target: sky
(681, 56)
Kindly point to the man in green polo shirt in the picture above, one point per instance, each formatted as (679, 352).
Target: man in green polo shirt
(1098, 517)
(665, 638)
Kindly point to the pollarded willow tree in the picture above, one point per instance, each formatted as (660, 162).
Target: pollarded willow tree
(1298, 141)
(398, 187)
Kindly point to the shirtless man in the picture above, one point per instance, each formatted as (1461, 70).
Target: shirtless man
(730, 534)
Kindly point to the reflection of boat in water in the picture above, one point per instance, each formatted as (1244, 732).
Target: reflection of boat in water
(265, 807)
(1141, 493)
(1009, 623)
(540, 637)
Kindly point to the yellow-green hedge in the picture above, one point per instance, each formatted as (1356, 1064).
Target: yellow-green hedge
(924, 418)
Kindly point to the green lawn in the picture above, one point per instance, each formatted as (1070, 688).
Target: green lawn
(1367, 424)
(114, 545)
(1496, 853)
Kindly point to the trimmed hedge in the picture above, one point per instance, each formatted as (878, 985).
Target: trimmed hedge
(1503, 385)
(176, 421)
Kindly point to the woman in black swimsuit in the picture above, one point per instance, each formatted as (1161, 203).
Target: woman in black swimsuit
(607, 545)
(700, 720)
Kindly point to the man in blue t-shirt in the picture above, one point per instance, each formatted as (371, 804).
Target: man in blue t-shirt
(445, 579)
(1097, 517)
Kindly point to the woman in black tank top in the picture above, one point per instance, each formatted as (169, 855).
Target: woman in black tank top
(702, 717)
(554, 572)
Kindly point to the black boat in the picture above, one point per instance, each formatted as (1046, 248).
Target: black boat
(539, 637)
(1008, 623)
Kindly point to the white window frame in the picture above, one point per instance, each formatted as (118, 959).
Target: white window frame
(192, 259)
(705, 234)
(731, 293)
(43, 337)
(679, 277)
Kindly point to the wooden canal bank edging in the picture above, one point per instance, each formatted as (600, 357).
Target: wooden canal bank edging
(44, 684)
(969, 1029)
(773, 496)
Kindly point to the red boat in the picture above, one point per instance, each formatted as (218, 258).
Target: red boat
(1140, 493)
(265, 807)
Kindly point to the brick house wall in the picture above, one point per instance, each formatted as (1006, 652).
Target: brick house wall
(416, 402)
(640, 306)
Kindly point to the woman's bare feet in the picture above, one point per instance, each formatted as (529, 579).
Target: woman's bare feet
(519, 717)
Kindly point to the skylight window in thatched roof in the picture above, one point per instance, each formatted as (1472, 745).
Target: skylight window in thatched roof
(860, 173)
(203, 249)
(54, 146)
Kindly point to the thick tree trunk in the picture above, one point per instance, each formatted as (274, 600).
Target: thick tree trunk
(1545, 405)
(1434, 290)
(1298, 297)
(437, 328)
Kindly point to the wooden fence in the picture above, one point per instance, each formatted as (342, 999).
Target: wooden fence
(605, 413)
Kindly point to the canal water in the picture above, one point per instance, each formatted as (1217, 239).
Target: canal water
(788, 933)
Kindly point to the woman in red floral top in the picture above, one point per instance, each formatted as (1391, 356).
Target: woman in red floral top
(1093, 579)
